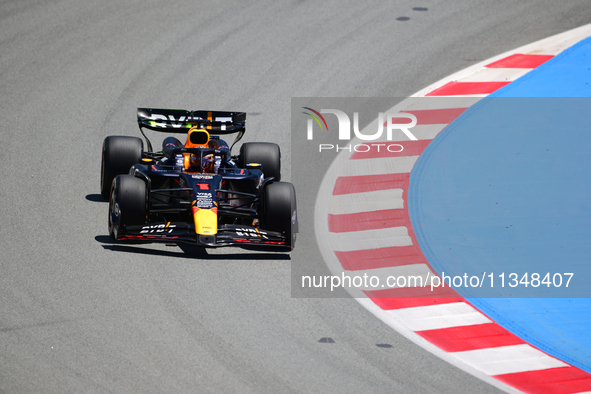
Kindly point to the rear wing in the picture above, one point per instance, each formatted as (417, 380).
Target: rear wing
(180, 121)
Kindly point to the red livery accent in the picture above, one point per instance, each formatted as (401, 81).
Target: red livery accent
(146, 236)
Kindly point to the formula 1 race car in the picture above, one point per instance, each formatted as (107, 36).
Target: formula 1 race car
(196, 192)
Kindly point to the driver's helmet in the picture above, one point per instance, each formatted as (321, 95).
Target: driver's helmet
(198, 137)
(207, 163)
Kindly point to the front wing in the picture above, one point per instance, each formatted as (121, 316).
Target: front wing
(178, 232)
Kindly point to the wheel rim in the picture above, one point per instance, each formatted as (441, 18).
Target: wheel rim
(114, 214)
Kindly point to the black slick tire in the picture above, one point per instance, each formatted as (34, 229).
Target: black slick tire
(127, 203)
(266, 153)
(279, 211)
(119, 154)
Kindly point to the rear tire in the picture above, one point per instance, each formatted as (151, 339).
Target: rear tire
(119, 154)
(266, 153)
(279, 212)
(127, 204)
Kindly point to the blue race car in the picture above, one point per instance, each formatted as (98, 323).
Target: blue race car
(196, 191)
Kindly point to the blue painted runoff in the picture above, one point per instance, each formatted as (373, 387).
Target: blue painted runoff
(506, 188)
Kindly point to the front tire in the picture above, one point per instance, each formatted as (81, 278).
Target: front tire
(127, 204)
(279, 211)
(119, 154)
(266, 153)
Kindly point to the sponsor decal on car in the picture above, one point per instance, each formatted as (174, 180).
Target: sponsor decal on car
(158, 228)
(204, 200)
(251, 232)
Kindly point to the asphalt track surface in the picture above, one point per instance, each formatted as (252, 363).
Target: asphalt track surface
(79, 313)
